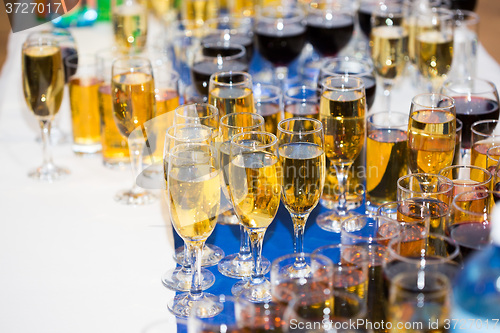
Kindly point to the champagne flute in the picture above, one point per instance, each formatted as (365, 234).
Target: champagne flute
(231, 92)
(133, 95)
(199, 10)
(431, 133)
(255, 189)
(193, 197)
(238, 265)
(434, 46)
(301, 152)
(475, 99)
(343, 113)
(389, 45)
(302, 101)
(268, 102)
(43, 86)
(130, 25)
(280, 36)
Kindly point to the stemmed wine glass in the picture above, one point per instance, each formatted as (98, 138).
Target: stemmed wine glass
(133, 95)
(193, 197)
(302, 157)
(330, 25)
(280, 36)
(237, 265)
(475, 99)
(343, 114)
(255, 189)
(389, 45)
(43, 86)
(231, 92)
(431, 133)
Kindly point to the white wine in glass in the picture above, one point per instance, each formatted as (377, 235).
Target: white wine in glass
(43, 86)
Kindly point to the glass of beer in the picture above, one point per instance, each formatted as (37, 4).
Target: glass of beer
(193, 201)
(83, 93)
(115, 150)
(386, 156)
(130, 25)
(419, 298)
(485, 135)
(43, 87)
(231, 92)
(470, 220)
(268, 102)
(374, 234)
(431, 133)
(433, 191)
(132, 93)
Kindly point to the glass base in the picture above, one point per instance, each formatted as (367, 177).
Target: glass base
(332, 221)
(238, 267)
(130, 197)
(211, 255)
(180, 280)
(253, 292)
(87, 150)
(48, 173)
(116, 163)
(296, 271)
(183, 304)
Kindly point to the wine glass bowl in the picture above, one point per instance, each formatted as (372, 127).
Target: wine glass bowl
(231, 92)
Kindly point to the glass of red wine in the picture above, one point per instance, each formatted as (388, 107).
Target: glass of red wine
(475, 99)
(347, 65)
(280, 35)
(330, 25)
(216, 57)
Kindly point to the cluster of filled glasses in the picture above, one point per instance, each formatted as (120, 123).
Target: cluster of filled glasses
(230, 151)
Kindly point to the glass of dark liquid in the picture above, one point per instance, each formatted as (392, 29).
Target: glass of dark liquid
(330, 25)
(280, 35)
(475, 99)
(216, 57)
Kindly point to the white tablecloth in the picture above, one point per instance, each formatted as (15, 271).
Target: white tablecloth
(71, 259)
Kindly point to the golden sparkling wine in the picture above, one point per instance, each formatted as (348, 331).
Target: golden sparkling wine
(199, 10)
(272, 116)
(386, 153)
(435, 54)
(194, 200)
(431, 140)
(231, 100)
(345, 126)
(43, 80)
(130, 26)
(114, 145)
(133, 100)
(389, 50)
(303, 171)
(239, 8)
(85, 110)
(255, 188)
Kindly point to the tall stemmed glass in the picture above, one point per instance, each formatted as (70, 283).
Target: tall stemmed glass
(133, 95)
(43, 86)
(280, 36)
(343, 114)
(389, 45)
(302, 157)
(475, 99)
(434, 46)
(238, 265)
(231, 92)
(193, 197)
(255, 189)
(431, 133)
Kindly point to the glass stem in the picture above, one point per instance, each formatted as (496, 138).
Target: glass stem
(256, 240)
(299, 225)
(195, 254)
(136, 147)
(281, 76)
(245, 251)
(387, 85)
(186, 263)
(342, 174)
(45, 126)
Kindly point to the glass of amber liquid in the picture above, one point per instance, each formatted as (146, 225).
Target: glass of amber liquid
(83, 93)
